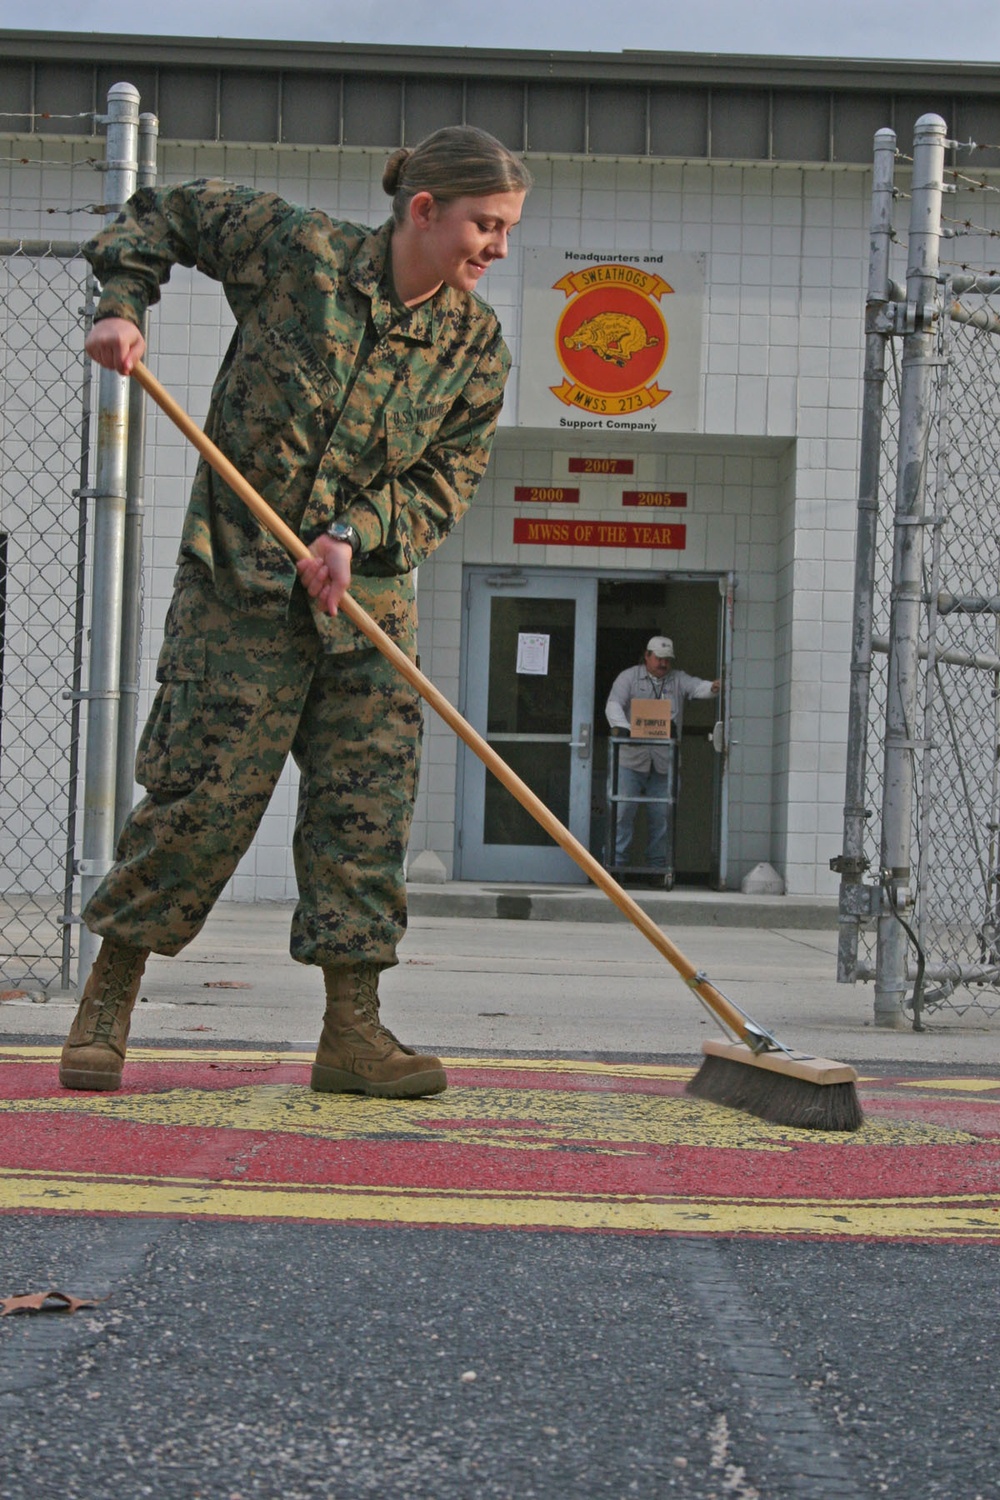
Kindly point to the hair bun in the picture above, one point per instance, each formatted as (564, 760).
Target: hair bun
(457, 161)
(392, 176)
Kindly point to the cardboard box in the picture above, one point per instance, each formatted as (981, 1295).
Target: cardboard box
(650, 718)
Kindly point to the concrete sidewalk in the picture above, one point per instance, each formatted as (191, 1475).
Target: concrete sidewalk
(544, 985)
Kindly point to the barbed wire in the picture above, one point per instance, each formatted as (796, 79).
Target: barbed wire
(960, 227)
(971, 184)
(971, 146)
(44, 114)
(966, 226)
(101, 209)
(93, 162)
(967, 267)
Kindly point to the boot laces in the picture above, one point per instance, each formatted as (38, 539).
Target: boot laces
(114, 994)
(366, 1002)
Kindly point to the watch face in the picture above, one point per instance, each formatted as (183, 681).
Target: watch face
(342, 531)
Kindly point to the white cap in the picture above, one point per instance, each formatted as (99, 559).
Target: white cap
(661, 645)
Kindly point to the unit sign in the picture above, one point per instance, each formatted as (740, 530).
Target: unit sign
(530, 532)
(611, 341)
(656, 499)
(546, 494)
(601, 466)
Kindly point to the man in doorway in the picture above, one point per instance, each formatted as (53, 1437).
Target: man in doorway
(644, 770)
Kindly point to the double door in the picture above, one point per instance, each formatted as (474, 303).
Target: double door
(540, 651)
(529, 676)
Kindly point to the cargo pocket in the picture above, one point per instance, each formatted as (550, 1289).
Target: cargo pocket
(197, 729)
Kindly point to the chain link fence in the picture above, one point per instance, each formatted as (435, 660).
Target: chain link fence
(920, 900)
(44, 457)
(957, 929)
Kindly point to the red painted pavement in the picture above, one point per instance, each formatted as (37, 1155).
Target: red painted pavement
(496, 1146)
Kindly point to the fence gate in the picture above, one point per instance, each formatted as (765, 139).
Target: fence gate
(44, 456)
(920, 867)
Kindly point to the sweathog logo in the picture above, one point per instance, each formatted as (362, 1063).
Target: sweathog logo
(611, 339)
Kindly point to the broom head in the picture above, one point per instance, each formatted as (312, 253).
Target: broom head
(784, 1088)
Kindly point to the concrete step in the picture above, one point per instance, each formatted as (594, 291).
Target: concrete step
(586, 903)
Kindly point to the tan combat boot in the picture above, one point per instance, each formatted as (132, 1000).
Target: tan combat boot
(94, 1053)
(357, 1054)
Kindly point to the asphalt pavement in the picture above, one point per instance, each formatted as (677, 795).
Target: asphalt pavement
(235, 1355)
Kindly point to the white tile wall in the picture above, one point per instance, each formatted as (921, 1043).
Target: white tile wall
(773, 470)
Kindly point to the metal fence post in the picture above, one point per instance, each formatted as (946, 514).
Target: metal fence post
(132, 566)
(852, 863)
(916, 392)
(98, 838)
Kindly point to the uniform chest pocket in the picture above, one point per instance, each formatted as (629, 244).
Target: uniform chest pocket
(409, 431)
(278, 401)
(296, 368)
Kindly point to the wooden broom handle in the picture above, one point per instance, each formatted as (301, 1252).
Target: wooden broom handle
(273, 523)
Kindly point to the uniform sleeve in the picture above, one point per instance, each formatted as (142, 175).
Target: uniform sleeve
(229, 232)
(616, 709)
(401, 523)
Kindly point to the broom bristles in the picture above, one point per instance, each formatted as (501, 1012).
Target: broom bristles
(776, 1097)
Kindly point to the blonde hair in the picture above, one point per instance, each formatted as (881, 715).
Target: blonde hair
(458, 161)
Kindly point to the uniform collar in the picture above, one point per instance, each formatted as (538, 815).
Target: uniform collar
(369, 273)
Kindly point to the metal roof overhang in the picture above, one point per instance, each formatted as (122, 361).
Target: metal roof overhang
(625, 105)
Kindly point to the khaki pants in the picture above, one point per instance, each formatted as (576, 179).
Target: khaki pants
(238, 693)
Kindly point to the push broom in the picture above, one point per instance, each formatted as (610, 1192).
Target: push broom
(752, 1071)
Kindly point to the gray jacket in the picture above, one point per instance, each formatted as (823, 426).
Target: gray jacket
(635, 682)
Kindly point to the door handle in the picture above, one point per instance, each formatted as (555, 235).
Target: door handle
(583, 743)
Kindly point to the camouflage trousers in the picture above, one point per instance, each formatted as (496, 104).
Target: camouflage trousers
(238, 693)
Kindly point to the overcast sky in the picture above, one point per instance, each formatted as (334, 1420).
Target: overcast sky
(827, 28)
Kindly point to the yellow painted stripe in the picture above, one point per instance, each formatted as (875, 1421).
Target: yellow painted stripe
(49, 1053)
(959, 1085)
(34, 1053)
(681, 1072)
(503, 1064)
(964, 1218)
(569, 1065)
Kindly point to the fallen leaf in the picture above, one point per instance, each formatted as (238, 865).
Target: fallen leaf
(36, 1302)
(196, 1028)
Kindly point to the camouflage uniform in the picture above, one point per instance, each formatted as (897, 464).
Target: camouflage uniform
(334, 400)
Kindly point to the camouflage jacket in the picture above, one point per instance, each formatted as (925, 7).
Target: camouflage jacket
(332, 399)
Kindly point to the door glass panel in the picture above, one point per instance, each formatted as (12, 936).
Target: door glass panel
(545, 769)
(534, 703)
(527, 702)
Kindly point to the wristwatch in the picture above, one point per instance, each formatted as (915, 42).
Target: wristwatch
(343, 531)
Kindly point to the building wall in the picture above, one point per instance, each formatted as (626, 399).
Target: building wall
(772, 471)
